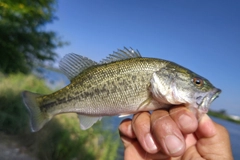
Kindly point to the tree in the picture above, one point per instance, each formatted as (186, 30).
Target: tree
(23, 40)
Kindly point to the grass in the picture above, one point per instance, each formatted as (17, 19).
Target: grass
(61, 138)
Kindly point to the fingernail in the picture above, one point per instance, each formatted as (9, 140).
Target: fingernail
(173, 144)
(150, 142)
(185, 121)
(129, 128)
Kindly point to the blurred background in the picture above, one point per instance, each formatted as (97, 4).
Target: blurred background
(203, 36)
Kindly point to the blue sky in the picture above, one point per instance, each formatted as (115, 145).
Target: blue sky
(203, 36)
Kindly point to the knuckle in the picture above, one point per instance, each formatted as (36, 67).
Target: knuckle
(141, 122)
(161, 123)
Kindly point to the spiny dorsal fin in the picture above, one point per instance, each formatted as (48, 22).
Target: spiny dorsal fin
(121, 55)
(72, 64)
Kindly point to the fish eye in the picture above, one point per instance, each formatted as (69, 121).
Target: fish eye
(198, 81)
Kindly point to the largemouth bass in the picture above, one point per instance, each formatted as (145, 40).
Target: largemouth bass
(124, 83)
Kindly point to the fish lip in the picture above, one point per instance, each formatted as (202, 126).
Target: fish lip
(215, 94)
(208, 99)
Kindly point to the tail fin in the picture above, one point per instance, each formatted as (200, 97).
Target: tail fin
(38, 118)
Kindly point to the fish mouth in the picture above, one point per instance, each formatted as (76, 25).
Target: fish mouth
(208, 99)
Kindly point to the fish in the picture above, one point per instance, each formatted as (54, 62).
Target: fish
(122, 84)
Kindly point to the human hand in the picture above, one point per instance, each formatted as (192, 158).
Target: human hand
(174, 134)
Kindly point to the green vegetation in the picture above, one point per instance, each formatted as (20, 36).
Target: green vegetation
(61, 138)
(24, 42)
(222, 115)
(23, 36)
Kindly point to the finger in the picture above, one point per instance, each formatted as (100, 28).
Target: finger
(141, 128)
(192, 153)
(190, 140)
(133, 150)
(191, 150)
(184, 118)
(127, 141)
(167, 134)
(136, 152)
(125, 128)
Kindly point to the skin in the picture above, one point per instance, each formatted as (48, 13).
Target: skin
(174, 135)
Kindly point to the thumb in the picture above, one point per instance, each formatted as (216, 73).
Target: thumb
(206, 128)
(213, 140)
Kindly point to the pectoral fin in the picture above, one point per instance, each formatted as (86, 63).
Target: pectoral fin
(124, 115)
(144, 104)
(151, 104)
(87, 121)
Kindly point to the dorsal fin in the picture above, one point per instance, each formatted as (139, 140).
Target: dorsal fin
(121, 55)
(72, 64)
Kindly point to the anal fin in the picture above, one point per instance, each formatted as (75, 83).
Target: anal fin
(87, 121)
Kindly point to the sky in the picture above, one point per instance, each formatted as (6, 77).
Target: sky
(203, 36)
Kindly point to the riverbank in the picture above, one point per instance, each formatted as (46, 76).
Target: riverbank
(224, 116)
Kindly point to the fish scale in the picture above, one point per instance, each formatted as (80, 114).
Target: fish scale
(124, 83)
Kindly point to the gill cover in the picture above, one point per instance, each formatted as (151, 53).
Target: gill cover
(164, 88)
